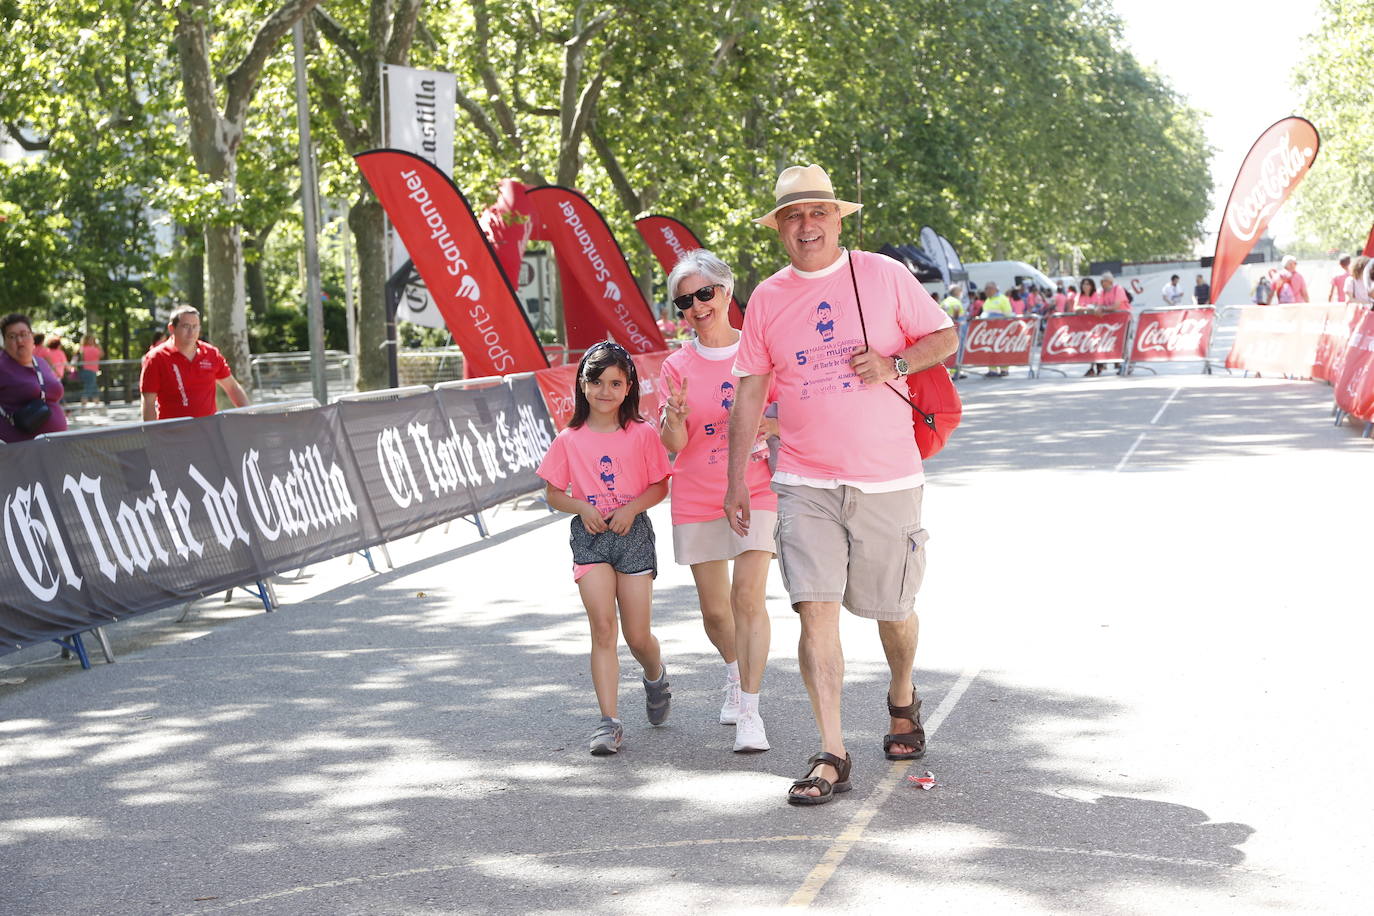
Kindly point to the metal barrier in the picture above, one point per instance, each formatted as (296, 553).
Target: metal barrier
(287, 375)
(429, 367)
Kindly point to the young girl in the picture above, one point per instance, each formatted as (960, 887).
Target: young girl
(616, 468)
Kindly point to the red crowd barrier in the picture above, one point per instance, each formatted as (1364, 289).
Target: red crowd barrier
(1173, 335)
(1279, 339)
(1084, 338)
(998, 342)
(1354, 386)
(556, 384)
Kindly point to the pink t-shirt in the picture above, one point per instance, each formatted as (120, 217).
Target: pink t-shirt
(1294, 288)
(1114, 298)
(699, 470)
(607, 470)
(804, 330)
(1086, 301)
(91, 355)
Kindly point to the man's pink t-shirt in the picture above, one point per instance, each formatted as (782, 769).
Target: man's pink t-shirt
(1114, 298)
(1337, 291)
(607, 470)
(699, 470)
(804, 330)
(1294, 288)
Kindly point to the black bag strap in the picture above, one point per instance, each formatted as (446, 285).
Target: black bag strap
(928, 418)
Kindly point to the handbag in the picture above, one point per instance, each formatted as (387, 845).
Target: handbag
(931, 387)
(31, 416)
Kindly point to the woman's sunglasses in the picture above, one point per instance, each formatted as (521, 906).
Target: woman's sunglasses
(705, 294)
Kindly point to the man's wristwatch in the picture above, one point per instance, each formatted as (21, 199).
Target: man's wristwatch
(902, 366)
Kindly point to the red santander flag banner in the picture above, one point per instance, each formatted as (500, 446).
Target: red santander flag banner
(457, 264)
(998, 342)
(1084, 338)
(1271, 170)
(1173, 334)
(600, 295)
(669, 240)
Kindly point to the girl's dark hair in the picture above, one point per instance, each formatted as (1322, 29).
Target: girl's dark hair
(595, 361)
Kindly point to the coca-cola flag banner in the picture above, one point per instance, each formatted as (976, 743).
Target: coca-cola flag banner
(669, 240)
(1084, 338)
(418, 117)
(1369, 244)
(456, 261)
(1272, 169)
(1168, 335)
(998, 342)
(102, 525)
(600, 295)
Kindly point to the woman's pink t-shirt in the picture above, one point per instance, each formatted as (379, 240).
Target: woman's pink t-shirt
(91, 355)
(699, 470)
(804, 330)
(607, 470)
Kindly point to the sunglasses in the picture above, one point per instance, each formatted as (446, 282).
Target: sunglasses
(705, 294)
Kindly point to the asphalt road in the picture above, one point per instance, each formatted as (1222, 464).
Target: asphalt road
(1143, 657)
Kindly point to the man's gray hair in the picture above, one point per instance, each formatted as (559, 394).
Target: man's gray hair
(701, 261)
(1290, 259)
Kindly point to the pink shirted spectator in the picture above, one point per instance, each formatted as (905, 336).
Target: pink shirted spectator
(1290, 286)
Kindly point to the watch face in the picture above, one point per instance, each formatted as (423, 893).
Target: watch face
(902, 367)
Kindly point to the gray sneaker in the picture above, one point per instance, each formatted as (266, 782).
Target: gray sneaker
(607, 737)
(657, 699)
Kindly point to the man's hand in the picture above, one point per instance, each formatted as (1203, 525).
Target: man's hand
(621, 520)
(737, 508)
(873, 368)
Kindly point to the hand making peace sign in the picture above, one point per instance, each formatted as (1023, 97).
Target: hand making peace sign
(676, 405)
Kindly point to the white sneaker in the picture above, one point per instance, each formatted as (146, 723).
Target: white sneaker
(729, 710)
(749, 734)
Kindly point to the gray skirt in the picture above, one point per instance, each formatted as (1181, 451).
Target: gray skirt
(630, 553)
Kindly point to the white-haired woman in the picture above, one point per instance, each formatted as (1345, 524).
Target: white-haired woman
(696, 422)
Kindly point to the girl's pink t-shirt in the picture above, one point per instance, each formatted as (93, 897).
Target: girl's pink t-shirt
(91, 356)
(804, 330)
(699, 470)
(607, 470)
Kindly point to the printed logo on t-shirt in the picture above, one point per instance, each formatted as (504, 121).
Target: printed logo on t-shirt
(607, 468)
(825, 367)
(727, 395)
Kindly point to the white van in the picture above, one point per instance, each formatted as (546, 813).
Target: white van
(1005, 274)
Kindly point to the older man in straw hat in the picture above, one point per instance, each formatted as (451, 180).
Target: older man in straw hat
(849, 476)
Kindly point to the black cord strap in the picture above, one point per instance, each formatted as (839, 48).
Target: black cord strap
(928, 418)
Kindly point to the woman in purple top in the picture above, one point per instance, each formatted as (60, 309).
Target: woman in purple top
(24, 378)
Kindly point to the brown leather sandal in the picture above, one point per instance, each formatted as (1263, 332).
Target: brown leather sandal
(828, 790)
(916, 738)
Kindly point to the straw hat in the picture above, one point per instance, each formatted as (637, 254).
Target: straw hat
(803, 184)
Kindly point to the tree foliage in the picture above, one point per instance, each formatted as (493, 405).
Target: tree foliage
(1335, 202)
(1017, 128)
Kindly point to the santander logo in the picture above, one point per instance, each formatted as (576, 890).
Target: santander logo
(612, 290)
(1278, 172)
(468, 287)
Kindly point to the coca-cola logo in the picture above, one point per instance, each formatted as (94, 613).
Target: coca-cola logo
(999, 337)
(1161, 338)
(1278, 171)
(1100, 338)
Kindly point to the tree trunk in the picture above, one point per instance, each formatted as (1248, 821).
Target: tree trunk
(365, 221)
(228, 326)
(252, 275)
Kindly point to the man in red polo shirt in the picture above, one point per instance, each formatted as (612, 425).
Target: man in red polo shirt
(179, 374)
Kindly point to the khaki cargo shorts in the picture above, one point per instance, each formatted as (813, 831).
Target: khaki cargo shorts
(864, 550)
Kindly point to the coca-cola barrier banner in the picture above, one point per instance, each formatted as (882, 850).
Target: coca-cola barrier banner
(669, 240)
(1354, 386)
(600, 294)
(1084, 338)
(1279, 339)
(1167, 335)
(998, 342)
(1275, 164)
(102, 525)
(556, 384)
(456, 262)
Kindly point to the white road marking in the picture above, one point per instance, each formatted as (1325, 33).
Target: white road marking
(852, 833)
